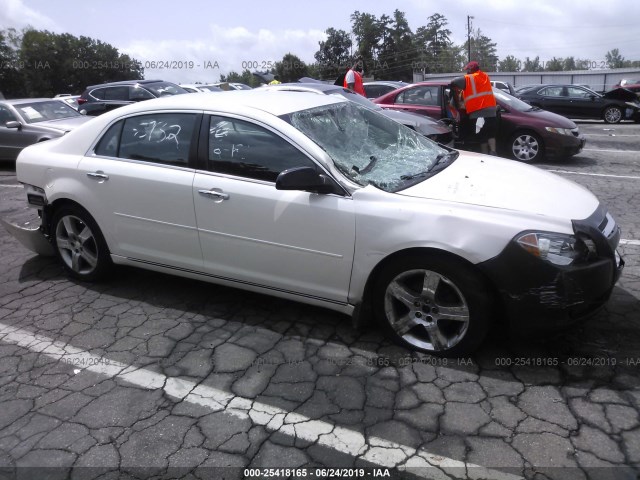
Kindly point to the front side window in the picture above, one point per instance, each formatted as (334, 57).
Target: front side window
(576, 92)
(160, 138)
(138, 93)
(6, 115)
(247, 150)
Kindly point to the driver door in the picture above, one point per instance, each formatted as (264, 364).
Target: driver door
(292, 241)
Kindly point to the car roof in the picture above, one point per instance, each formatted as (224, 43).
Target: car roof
(17, 101)
(125, 83)
(305, 87)
(272, 101)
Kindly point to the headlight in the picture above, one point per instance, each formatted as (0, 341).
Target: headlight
(561, 131)
(557, 248)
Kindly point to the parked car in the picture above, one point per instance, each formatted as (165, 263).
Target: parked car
(629, 84)
(231, 86)
(579, 102)
(378, 88)
(98, 99)
(525, 133)
(317, 199)
(31, 120)
(71, 100)
(433, 129)
(200, 87)
(504, 86)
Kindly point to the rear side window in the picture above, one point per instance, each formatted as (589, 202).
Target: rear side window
(117, 93)
(98, 93)
(163, 138)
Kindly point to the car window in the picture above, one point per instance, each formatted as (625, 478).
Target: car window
(162, 138)
(139, 93)
(6, 115)
(110, 141)
(98, 93)
(551, 92)
(575, 92)
(247, 150)
(426, 95)
(116, 93)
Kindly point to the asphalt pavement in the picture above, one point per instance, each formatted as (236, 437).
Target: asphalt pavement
(152, 376)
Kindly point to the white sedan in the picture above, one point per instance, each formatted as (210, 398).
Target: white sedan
(317, 199)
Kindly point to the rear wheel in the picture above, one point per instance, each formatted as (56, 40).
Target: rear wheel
(434, 305)
(79, 244)
(612, 114)
(526, 147)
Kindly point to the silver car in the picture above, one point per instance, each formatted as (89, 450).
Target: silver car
(31, 120)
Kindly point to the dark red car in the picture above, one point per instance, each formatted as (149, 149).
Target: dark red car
(525, 133)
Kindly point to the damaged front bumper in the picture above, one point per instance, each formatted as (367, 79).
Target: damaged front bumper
(30, 235)
(539, 295)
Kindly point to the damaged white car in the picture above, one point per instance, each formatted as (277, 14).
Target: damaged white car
(316, 199)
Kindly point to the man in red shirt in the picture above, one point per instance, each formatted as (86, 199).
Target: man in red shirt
(353, 79)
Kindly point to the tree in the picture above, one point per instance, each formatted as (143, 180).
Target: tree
(11, 84)
(291, 68)
(532, 65)
(555, 65)
(509, 64)
(614, 59)
(435, 50)
(245, 77)
(483, 50)
(396, 51)
(334, 54)
(368, 32)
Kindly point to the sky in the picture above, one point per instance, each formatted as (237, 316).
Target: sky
(202, 39)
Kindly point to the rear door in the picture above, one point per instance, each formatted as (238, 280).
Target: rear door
(421, 99)
(140, 179)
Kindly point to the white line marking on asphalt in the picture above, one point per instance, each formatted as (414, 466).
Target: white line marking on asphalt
(607, 135)
(11, 186)
(629, 242)
(593, 174)
(371, 449)
(637, 152)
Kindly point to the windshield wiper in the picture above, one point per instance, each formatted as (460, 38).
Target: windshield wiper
(439, 161)
(372, 161)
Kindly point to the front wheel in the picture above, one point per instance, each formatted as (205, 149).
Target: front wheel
(612, 114)
(434, 305)
(79, 244)
(526, 147)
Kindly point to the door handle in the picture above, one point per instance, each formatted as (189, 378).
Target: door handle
(216, 193)
(99, 176)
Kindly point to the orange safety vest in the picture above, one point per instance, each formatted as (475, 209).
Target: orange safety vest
(478, 93)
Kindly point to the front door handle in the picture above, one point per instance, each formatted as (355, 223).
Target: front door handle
(216, 193)
(99, 176)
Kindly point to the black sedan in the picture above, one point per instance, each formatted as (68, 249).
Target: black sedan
(31, 120)
(575, 101)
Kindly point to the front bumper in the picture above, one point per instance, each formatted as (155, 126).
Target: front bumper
(539, 295)
(564, 146)
(30, 235)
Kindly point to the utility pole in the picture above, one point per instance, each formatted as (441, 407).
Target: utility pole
(469, 37)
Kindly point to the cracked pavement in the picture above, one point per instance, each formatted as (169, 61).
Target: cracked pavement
(152, 376)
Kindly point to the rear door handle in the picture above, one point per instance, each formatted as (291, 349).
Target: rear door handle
(99, 176)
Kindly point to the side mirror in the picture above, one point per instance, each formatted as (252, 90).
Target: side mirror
(13, 124)
(306, 179)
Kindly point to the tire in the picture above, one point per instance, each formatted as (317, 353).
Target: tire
(79, 244)
(612, 114)
(526, 147)
(432, 304)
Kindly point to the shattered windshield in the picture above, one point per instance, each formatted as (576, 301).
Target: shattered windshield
(370, 148)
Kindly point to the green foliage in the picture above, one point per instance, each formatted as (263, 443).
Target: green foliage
(334, 55)
(245, 77)
(509, 64)
(43, 63)
(291, 68)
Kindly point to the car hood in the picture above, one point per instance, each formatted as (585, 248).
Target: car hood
(621, 94)
(551, 119)
(420, 123)
(477, 179)
(64, 124)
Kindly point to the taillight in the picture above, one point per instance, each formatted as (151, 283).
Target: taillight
(82, 100)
